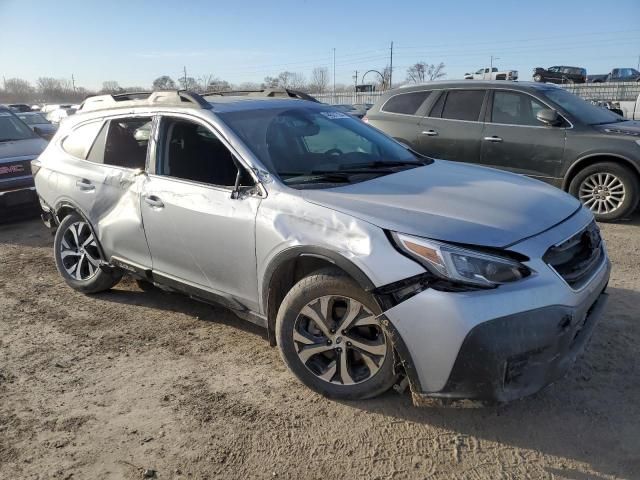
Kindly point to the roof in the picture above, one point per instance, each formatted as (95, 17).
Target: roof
(188, 99)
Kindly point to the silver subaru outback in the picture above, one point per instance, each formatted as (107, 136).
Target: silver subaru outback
(368, 263)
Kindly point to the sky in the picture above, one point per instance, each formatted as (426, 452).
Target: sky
(134, 42)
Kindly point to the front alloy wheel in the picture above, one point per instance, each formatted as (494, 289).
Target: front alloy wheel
(339, 340)
(331, 338)
(603, 193)
(610, 190)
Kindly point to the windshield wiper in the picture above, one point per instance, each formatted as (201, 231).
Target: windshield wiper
(317, 176)
(2, 140)
(382, 164)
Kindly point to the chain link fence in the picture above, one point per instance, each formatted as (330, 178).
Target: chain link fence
(606, 92)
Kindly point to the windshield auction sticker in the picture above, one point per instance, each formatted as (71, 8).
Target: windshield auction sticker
(334, 115)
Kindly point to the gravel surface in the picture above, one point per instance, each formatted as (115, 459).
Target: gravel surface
(130, 384)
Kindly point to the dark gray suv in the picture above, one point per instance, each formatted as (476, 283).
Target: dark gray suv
(538, 130)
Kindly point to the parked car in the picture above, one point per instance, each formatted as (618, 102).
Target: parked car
(492, 74)
(629, 109)
(534, 129)
(38, 123)
(616, 75)
(56, 116)
(18, 146)
(19, 107)
(560, 74)
(365, 261)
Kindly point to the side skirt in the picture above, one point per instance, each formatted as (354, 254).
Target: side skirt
(195, 292)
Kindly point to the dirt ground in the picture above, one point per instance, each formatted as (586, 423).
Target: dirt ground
(105, 386)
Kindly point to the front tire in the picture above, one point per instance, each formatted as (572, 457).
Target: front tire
(537, 77)
(610, 190)
(331, 339)
(78, 257)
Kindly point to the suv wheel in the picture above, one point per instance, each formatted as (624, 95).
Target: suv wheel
(330, 337)
(608, 189)
(78, 257)
(537, 77)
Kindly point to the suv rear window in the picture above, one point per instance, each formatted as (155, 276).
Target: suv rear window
(405, 103)
(463, 105)
(80, 140)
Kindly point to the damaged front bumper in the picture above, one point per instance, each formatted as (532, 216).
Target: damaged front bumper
(488, 346)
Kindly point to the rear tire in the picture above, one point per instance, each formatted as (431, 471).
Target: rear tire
(610, 190)
(537, 77)
(329, 336)
(78, 258)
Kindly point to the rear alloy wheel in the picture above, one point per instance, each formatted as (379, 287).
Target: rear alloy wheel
(609, 190)
(330, 337)
(78, 257)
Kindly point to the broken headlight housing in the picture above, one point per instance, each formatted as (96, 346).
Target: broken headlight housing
(460, 265)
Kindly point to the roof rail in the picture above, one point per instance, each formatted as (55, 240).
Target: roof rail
(267, 92)
(142, 99)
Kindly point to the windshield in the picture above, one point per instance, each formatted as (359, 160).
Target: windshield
(33, 119)
(12, 128)
(297, 143)
(580, 109)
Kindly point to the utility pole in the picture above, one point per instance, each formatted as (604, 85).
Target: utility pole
(73, 83)
(356, 79)
(334, 74)
(391, 67)
(638, 62)
(185, 77)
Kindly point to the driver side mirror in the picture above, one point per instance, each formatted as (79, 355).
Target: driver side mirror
(548, 117)
(40, 132)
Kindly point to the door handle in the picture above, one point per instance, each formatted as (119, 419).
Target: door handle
(153, 201)
(493, 138)
(429, 133)
(85, 185)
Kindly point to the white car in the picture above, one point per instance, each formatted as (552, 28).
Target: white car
(60, 114)
(492, 73)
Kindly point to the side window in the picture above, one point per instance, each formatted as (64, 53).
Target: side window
(126, 142)
(463, 105)
(406, 103)
(190, 151)
(514, 108)
(79, 141)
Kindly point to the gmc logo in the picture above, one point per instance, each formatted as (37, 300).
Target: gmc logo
(11, 169)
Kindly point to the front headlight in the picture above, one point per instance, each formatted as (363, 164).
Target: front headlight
(459, 264)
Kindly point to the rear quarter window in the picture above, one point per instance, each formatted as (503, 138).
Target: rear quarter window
(79, 141)
(405, 103)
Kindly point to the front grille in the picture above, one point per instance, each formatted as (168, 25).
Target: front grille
(578, 257)
(14, 169)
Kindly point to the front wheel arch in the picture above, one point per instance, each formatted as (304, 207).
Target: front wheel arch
(592, 159)
(291, 265)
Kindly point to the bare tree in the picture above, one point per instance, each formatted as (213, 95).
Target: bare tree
(424, 72)
(111, 86)
(249, 86)
(319, 80)
(18, 87)
(189, 83)
(217, 85)
(164, 82)
(270, 82)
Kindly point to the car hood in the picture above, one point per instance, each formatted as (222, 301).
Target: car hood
(22, 148)
(630, 127)
(454, 203)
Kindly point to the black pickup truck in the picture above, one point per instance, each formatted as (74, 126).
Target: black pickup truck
(18, 146)
(616, 75)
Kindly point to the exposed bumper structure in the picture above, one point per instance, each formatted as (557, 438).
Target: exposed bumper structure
(502, 344)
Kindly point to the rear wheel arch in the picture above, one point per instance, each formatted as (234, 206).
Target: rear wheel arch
(589, 160)
(66, 208)
(295, 263)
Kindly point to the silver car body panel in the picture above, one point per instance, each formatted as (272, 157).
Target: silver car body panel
(224, 245)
